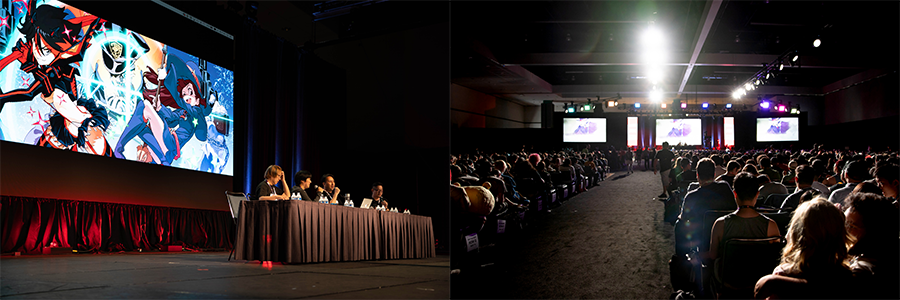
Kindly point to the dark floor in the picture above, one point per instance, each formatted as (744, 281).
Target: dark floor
(608, 242)
(208, 275)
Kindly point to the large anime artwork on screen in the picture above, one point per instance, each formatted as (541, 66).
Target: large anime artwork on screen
(73, 81)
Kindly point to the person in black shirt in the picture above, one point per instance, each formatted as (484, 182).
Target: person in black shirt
(302, 180)
(377, 199)
(266, 190)
(330, 191)
(663, 163)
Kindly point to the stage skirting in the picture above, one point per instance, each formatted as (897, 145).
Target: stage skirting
(303, 232)
(29, 224)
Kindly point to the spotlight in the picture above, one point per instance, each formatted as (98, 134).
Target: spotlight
(736, 95)
(764, 105)
(705, 105)
(637, 105)
(817, 43)
(728, 106)
(611, 103)
(683, 105)
(780, 66)
(656, 95)
(748, 86)
(757, 82)
(588, 106)
(796, 57)
(795, 111)
(768, 75)
(569, 109)
(662, 105)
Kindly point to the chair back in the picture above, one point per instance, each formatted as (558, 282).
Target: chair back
(745, 261)
(234, 202)
(775, 200)
(709, 218)
(782, 219)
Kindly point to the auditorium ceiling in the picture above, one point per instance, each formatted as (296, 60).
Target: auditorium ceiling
(575, 50)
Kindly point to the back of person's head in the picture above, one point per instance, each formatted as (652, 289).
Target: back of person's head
(455, 172)
(817, 240)
(888, 175)
(809, 195)
(745, 186)
(857, 171)
(765, 162)
(877, 223)
(717, 159)
(684, 163)
(805, 175)
(301, 177)
(500, 165)
(733, 166)
(763, 179)
(793, 164)
(867, 186)
(534, 158)
(750, 169)
(272, 171)
(665, 145)
(706, 169)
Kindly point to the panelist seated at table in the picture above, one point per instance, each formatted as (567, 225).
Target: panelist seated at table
(302, 181)
(329, 189)
(267, 190)
(377, 199)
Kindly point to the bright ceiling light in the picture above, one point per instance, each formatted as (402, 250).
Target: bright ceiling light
(655, 76)
(662, 105)
(780, 66)
(652, 38)
(736, 95)
(795, 57)
(748, 86)
(656, 95)
(817, 43)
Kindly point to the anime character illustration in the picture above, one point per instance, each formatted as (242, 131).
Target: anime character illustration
(587, 127)
(679, 129)
(71, 80)
(169, 115)
(53, 40)
(778, 126)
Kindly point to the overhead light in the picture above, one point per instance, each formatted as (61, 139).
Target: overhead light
(656, 95)
(662, 105)
(705, 105)
(611, 103)
(588, 106)
(683, 105)
(764, 105)
(637, 105)
(781, 66)
(768, 75)
(748, 86)
(728, 106)
(736, 95)
(817, 43)
(794, 111)
(757, 82)
(796, 57)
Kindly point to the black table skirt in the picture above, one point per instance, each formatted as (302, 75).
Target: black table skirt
(302, 231)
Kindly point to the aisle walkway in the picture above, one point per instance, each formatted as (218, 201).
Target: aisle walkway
(608, 242)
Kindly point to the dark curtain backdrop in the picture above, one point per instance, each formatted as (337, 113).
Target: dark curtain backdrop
(29, 224)
(284, 99)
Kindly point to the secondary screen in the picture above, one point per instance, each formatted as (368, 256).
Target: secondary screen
(584, 130)
(678, 131)
(73, 81)
(777, 129)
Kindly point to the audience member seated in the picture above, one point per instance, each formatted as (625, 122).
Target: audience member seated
(872, 222)
(749, 168)
(768, 187)
(766, 164)
(888, 179)
(512, 194)
(733, 168)
(745, 222)
(266, 190)
(712, 195)
(720, 165)
(816, 252)
(790, 179)
(853, 174)
(805, 177)
(687, 174)
(836, 181)
(817, 180)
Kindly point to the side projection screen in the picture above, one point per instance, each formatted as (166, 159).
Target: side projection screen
(73, 81)
(584, 130)
(678, 131)
(777, 129)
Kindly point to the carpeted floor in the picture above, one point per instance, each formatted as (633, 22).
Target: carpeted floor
(608, 242)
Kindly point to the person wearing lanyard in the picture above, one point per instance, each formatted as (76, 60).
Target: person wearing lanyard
(267, 190)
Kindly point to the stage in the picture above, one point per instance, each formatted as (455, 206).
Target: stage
(156, 275)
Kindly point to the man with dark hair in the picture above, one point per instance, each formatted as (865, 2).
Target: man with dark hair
(377, 199)
(768, 187)
(888, 179)
(746, 222)
(662, 163)
(329, 189)
(720, 165)
(805, 177)
(712, 195)
(853, 173)
(766, 164)
(302, 181)
(734, 167)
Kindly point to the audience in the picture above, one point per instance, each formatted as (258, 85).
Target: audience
(768, 187)
(888, 179)
(745, 222)
(734, 167)
(872, 222)
(712, 195)
(853, 174)
(805, 177)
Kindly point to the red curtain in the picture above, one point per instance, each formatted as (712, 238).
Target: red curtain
(29, 224)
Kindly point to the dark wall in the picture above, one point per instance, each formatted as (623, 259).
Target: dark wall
(467, 140)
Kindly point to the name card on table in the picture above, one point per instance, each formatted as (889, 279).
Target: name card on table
(472, 242)
(501, 226)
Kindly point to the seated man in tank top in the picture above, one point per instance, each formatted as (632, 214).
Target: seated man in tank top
(745, 222)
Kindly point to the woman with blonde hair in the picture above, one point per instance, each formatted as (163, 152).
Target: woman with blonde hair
(814, 263)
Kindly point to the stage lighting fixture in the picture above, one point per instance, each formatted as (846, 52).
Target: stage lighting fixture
(796, 57)
(795, 111)
(780, 66)
(728, 106)
(683, 105)
(768, 75)
(764, 105)
(663, 105)
(757, 82)
(637, 105)
(817, 43)
(705, 105)
(748, 86)
(588, 106)
(656, 95)
(611, 103)
(736, 95)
